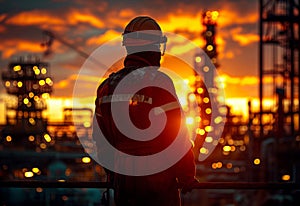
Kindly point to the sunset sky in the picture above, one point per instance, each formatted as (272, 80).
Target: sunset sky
(88, 24)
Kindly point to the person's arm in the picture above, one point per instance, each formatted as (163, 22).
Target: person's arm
(184, 169)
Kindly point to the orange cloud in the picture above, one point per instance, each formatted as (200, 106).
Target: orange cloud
(62, 84)
(220, 41)
(41, 17)
(189, 23)
(229, 17)
(12, 46)
(121, 19)
(191, 27)
(70, 80)
(228, 55)
(107, 36)
(243, 39)
(127, 13)
(75, 17)
(246, 39)
(35, 17)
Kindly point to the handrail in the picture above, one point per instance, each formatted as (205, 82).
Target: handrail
(53, 184)
(201, 185)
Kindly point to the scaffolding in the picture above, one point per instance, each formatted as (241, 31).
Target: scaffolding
(276, 126)
(279, 66)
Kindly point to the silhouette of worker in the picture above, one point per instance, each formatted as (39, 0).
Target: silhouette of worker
(142, 39)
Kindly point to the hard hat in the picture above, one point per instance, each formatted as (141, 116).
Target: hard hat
(141, 31)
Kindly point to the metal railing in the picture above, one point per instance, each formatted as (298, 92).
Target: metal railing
(271, 186)
(201, 185)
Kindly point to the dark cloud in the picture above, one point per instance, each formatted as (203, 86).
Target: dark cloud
(15, 6)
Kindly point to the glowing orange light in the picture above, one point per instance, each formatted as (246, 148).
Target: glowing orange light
(36, 70)
(7, 84)
(198, 119)
(209, 47)
(256, 161)
(214, 15)
(39, 189)
(208, 128)
(200, 131)
(218, 120)
(200, 90)
(226, 148)
(35, 170)
(31, 94)
(198, 59)
(17, 68)
(219, 164)
(206, 69)
(203, 150)
(8, 138)
(28, 174)
(49, 81)
(47, 138)
(45, 95)
(20, 84)
(86, 124)
(43, 70)
(31, 138)
(229, 165)
(42, 82)
(286, 177)
(208, 139)
(208, 110)
(25, 101)
(32, 121)
(86, 160)
(43, 146)
(205, 99)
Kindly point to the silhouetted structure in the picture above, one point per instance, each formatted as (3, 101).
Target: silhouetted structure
(276, 127)
(29, 83)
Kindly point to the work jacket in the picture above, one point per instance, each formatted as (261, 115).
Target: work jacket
(161, 188)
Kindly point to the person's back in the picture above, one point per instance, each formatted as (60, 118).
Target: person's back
(141, 74)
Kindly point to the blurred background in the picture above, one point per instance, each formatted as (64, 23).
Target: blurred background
(45, 132)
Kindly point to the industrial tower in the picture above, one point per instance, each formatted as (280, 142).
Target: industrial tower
(222, 157)
(29, 84)
(278, 124)
(204, 81)
(279, 60)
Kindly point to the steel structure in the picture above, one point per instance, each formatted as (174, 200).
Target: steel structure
(279, 66)
(277, 125)
(204, 81)
(29, 84)
(229, 160)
